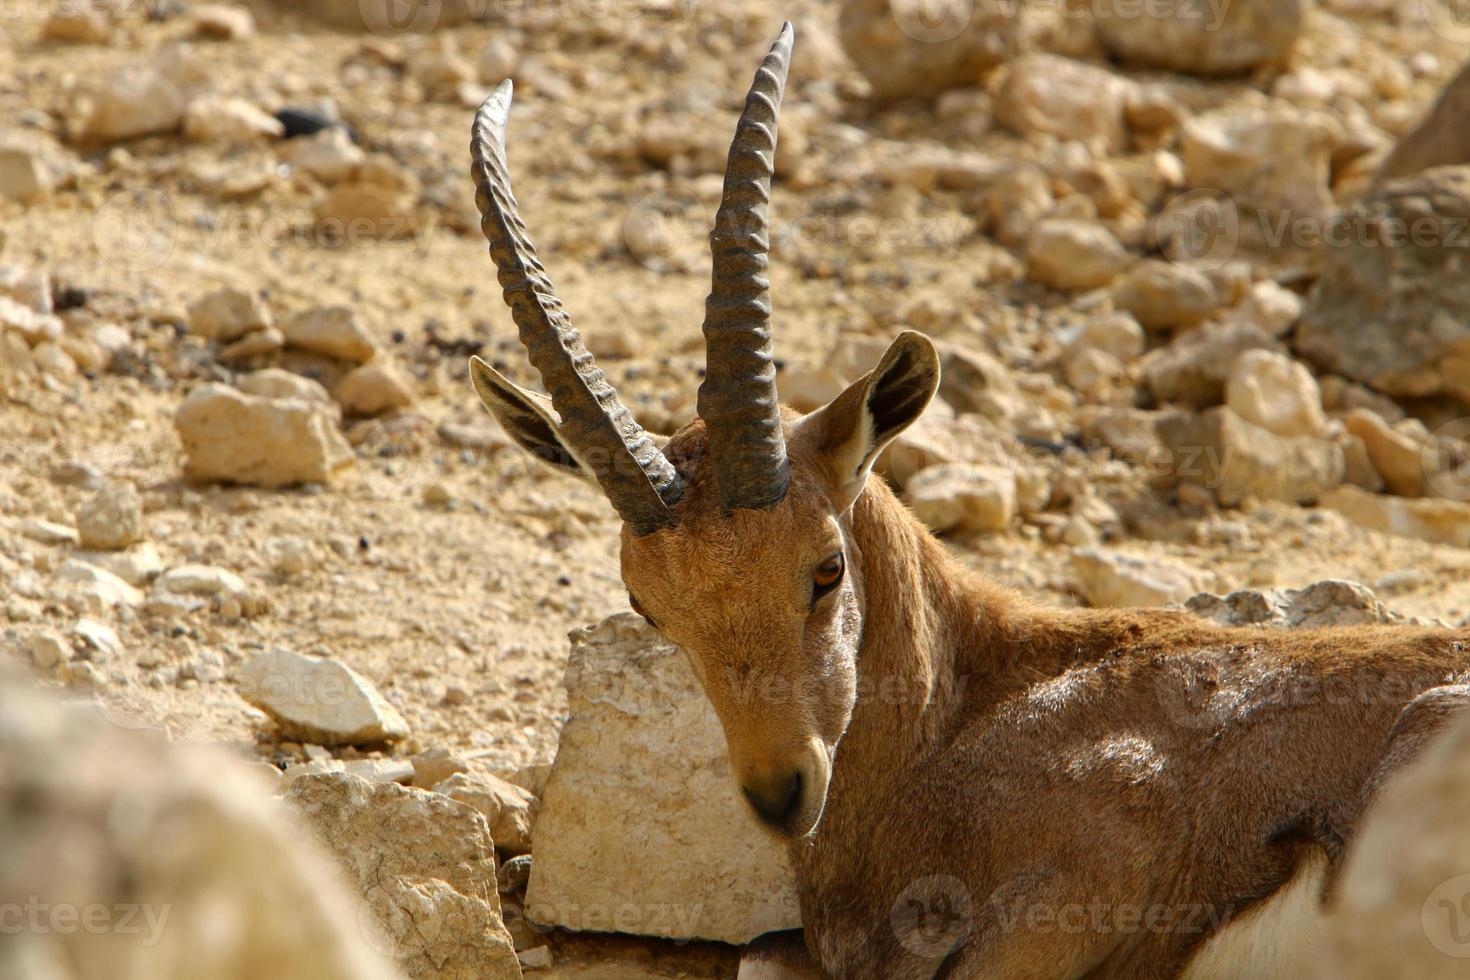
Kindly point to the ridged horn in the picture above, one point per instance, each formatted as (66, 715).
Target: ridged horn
(637, 478)
(737, 400)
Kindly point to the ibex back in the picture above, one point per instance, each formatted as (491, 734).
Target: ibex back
(970, 785)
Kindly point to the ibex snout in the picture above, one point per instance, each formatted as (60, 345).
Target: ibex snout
(787, 791)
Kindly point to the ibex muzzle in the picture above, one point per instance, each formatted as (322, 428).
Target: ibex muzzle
(736, 531)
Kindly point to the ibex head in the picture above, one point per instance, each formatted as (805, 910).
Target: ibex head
(737, 540)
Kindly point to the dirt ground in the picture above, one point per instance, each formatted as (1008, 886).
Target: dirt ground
(457, 606)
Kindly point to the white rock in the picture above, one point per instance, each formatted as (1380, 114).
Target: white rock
(112, 518)
(1046, 94)
(33, 327)
(1270, 306)
(269, 442)
(1333, 602)
(331, 330)
(47, 649)
(143, 98)
(1072, 255)
(1276, 393)
(640, 812)
(226, 23)
(227, 314)
(425, 869)
(49, 532)
(329, 155)
(963, 496)
(1118, 334)
(218, 119)
(318, 699)
(108, 589)
(276, 383)
(1278, 160)
(1112, 578)
(1440, 521)
(498, 61)
(30, 287)
(509, 809)
(1227, 39)
(291, 555)
(1166, 295)
(53, 361)
(136, 566)
(98, 637)
(372, 389)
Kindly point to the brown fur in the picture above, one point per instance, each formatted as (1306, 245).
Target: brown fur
(992, 788)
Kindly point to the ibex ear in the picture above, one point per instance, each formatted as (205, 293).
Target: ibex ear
(526, 417)
(851, 430)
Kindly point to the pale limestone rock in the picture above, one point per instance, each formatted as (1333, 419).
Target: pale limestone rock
(276, 383)
(1112, 578)
(112, 518)
(1239, 460)
(252, 345)
(1166, 295)
(1016, 200)
(137, 566)
(1046, 94)
(1203, 39)
(933, 440)
(1270, 306)
(48, 648)
(640, 829)
(1073, 255)
(497, 61)
(963, 497)
(268, 442)
(144, 98)
(30, 325)
(1118, 334)
(1277, 160)
(1193, 368)
(218, 119)
(107, 588)
(202, 844)
(221, 22)
(509, 810)
(1399, 460)
(17, 370)
(332, 330)
(227, 314)
(1429, 519)
(329, 155)
(1276, 393)
(1332, 602)
(49, 532)
(79, 23)
(320, 700)
(372, 389)
(425, 868)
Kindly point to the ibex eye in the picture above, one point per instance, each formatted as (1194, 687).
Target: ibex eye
(828, 575)
(638, 608)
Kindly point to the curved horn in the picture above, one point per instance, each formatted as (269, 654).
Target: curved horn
(607, 440)
(738, 397)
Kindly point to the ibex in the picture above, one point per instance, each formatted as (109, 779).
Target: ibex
(970, 785)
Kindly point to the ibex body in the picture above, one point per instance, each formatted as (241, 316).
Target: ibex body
(970, 785)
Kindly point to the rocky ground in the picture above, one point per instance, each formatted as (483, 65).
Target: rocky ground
(1183, 350)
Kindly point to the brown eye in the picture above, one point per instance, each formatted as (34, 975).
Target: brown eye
(827, 575)
(638, 608)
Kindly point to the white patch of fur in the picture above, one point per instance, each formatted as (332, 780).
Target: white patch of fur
(1281, 937)
(763, 969)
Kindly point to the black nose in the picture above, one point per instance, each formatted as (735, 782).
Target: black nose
(777, 801)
